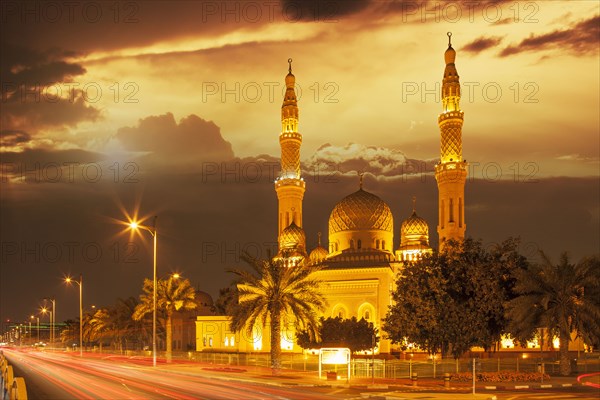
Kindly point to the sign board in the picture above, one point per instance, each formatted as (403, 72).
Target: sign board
(334, 356)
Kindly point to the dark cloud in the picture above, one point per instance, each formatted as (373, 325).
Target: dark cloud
(582, 37)
(106, 26)
(481, 44)
(9, 138)
(22, 67)
(37, 109)
(30, 157)
(37, 90)
(169, 142)
(322, 10)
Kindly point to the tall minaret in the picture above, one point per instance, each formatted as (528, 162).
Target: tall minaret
(451, 172)
(289, 185)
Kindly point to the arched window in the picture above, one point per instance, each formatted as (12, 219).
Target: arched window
(383, 244)
(352, 243)
(339, 311)
(366, 311)
(359, 243)
(377, 244)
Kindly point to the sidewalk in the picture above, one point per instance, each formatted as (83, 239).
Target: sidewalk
(310, 378)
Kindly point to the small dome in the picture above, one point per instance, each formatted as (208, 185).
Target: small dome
(290, 80)
(414, 225)
(203, 298)
(318, 254)
(361, 210)
(450, 55)
(291, 237)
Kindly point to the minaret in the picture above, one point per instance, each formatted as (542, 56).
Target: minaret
(289, 185)
(451, 172)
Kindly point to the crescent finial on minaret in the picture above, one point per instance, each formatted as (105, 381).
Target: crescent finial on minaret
(290, 65)
(414, 199)
(449, 39)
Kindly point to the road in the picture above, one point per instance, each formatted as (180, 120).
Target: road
(55, 375)
(62, 376)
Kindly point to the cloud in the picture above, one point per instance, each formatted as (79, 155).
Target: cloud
(353, 158)
(580, 38)
(106, 27)
(35, 91)
(10, 139)
(169, 142)
(24, 67)
(322, 10)
(482, 43)
(35, 111)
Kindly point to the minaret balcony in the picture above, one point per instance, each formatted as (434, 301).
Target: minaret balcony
(451, 115)
(451, 166)
(290, 135)
(294, 182)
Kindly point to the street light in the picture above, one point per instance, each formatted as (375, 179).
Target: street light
(44, 311)
(80, 283)
(135, 226)
(52, 319)
(38, 326)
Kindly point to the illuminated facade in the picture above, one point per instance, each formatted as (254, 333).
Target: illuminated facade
(359, 263)
(451, 172)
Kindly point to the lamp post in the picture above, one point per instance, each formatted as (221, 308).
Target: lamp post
(44, 311)
(52, 319)
(38, 326)
(80, 283)
(373, 342)
(134, 225)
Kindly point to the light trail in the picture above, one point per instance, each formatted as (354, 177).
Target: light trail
(592, 384)
(98, 377)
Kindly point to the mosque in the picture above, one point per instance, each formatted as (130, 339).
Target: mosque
(359, 264)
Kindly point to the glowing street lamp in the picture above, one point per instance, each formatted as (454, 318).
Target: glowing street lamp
(44, 310)
(52, 319)
(80, 283)
(135, 226)
(38, 326)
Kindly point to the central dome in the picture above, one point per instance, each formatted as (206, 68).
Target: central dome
(361, 210)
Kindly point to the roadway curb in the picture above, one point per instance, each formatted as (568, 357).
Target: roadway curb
(383, 386)
(526, 387)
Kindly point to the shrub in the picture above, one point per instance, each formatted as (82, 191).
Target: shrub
(502, 376)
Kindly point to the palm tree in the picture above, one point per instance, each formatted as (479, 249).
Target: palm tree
(122, 325)
(96, 325)
(172, 294)
(562, 298)
(273, 292)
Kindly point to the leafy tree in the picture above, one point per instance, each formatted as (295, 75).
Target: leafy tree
(339, 332)
(452, 300)
(172, 294)
(273, 293)
(563, 298)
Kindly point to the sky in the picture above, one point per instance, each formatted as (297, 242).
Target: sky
(116, 110)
